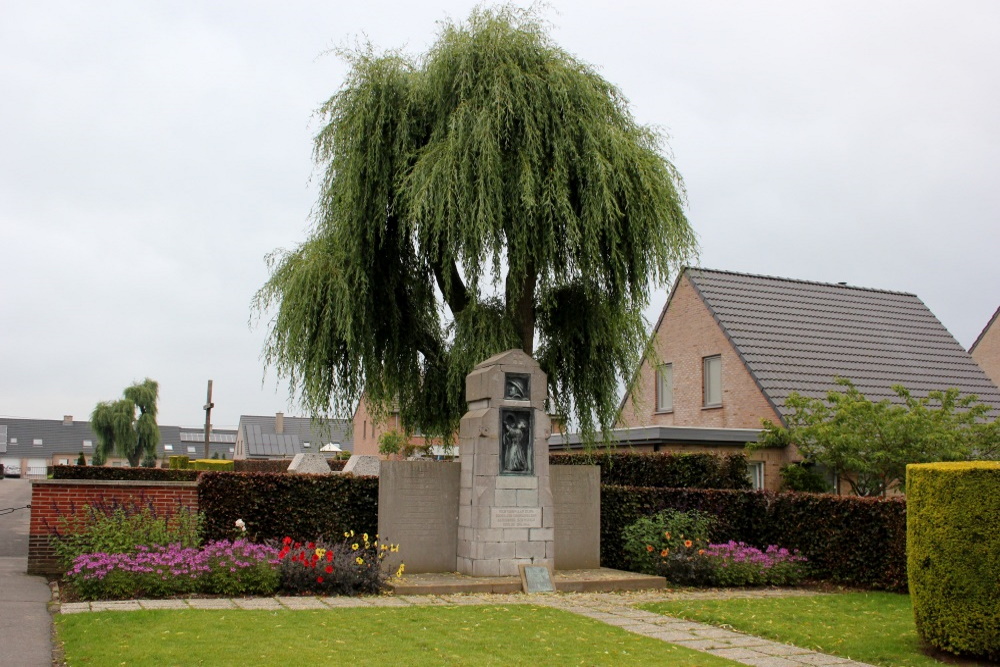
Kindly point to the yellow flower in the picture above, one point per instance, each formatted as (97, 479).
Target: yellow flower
(347, 534)
(359, 560)
(394, 548)
(320, 553)
(352, 534)
(384, 548)
(399, 572)
(354, 546)
(365, 537)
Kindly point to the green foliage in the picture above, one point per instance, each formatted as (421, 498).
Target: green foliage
(140, 474)
(954, 555)
(663, 544)
(503, 174)
(180, 462)
(110, 526)
(869, 444)
(81, 460)
(98, 459)
(211, 464)
(847, 540)
(148, 460)
(663, 469)
(803, 478)
(394, 442)
(276, 505)
(120, 431)
(262, 465)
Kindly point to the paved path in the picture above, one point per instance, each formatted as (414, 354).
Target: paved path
(25, 623)
(611, 608)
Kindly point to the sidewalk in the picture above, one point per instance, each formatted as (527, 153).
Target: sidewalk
(611, 608)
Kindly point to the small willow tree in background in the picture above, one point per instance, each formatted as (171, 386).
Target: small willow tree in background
(490, 193)
(127, 427)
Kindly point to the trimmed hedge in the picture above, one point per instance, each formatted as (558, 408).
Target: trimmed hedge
(848, 540)
(275, 505)
(664, 469)
(218, 465)
(954, 555)
(132, 474)
(277, 465)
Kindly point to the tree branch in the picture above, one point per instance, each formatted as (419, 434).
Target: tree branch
(455, 293)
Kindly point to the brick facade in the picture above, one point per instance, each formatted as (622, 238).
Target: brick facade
(367, 431)
(986, 350)
(52, 499)
(686, 334)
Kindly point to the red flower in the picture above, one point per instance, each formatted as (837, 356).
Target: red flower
(329, 569)
(319, 580)
(286, 541)
(329, 556)
(310, 546)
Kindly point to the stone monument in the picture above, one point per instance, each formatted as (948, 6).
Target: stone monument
(505, 508)
(309, 463)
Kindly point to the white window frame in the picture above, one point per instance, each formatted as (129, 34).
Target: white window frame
(665, 388)
(711, 381)
(755, 473)
(168, 447)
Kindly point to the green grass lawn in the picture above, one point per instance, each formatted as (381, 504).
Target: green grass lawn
(876, 628)
(465, 635)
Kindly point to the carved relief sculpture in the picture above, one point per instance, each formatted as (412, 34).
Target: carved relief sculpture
(516, 457)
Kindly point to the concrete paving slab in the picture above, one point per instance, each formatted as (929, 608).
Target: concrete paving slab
(257, 604)
(297, 603)
(775, 648)
(74, 607)
(819, 659)
(116, 605)
(737, 653)
(772, 661)
(219, 603)
(163, 604)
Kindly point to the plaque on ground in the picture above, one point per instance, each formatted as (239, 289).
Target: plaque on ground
(536, 579)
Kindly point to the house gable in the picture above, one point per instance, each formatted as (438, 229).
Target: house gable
(986, 349)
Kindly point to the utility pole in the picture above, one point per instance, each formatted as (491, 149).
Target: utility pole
(208, 418)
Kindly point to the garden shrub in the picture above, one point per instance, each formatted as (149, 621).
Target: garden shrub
(219, 568)
(130, 474)
(261, 465)
(276, 505)
(350, 566)
(178, 462)
(211, 464)
(739, 564)
(804, 479)
(953, 532)
(664, 469)
(117, 527)
(663, 544)
(847, 540)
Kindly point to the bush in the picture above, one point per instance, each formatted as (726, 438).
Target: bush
(954, 555)
(219, 568)
(116, 527)
(211, 464)
(81, 460)
(179, 462)
(847, 540)
(804, 479)
(133, 474)
(352, 566)
(739, 564)
(261, 465)
(276, 505)
(665, 543)
(664, 469)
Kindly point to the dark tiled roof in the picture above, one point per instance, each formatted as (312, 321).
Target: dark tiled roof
(796, 336)
(259, 434)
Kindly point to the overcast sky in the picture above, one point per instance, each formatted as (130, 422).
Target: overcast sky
(152, 154)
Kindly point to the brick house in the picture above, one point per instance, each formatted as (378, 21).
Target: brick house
(730, 347)
(366, 431)
(986, 349)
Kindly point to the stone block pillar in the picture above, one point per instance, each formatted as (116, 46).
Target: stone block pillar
(505, 510)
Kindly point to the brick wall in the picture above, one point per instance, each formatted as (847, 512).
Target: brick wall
(55, 498)
(987, 352)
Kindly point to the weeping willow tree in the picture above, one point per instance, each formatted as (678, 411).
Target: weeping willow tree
(127, 427)
(492, 193)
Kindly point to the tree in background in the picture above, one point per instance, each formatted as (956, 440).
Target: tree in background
(81, 460)
(492, 191)
(127, 427)
(869, 444)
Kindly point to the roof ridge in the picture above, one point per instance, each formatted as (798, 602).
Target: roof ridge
(985, 329)
(798, 281)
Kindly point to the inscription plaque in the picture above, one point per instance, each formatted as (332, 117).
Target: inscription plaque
(536, 579)
(516, 517)
(516, 442)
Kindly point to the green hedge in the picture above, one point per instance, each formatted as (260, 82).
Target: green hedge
(219, 465)
(274, 505)
(277, 465)
(132, 474)
(664, 469)
(848, 540)
(954, 555)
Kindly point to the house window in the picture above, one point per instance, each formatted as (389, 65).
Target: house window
(88, 443)
(755, 473)
(37, 442)
(231, 450)
(168, 448)
(664, 387)
(64, 462)
(191, 449)
(306, 445)
(13, 441)
(712, 381)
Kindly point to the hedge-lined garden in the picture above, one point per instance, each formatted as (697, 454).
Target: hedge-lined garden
(667, 469)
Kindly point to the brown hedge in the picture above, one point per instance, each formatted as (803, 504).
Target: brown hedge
(848, 540)
(664, 469)
(132, 474)
(275, 505)
(277, 465)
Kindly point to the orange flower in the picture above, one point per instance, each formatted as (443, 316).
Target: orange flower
(687, 543)
(701, 552)
(663, 554)
(649, 547)
(667, 535)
